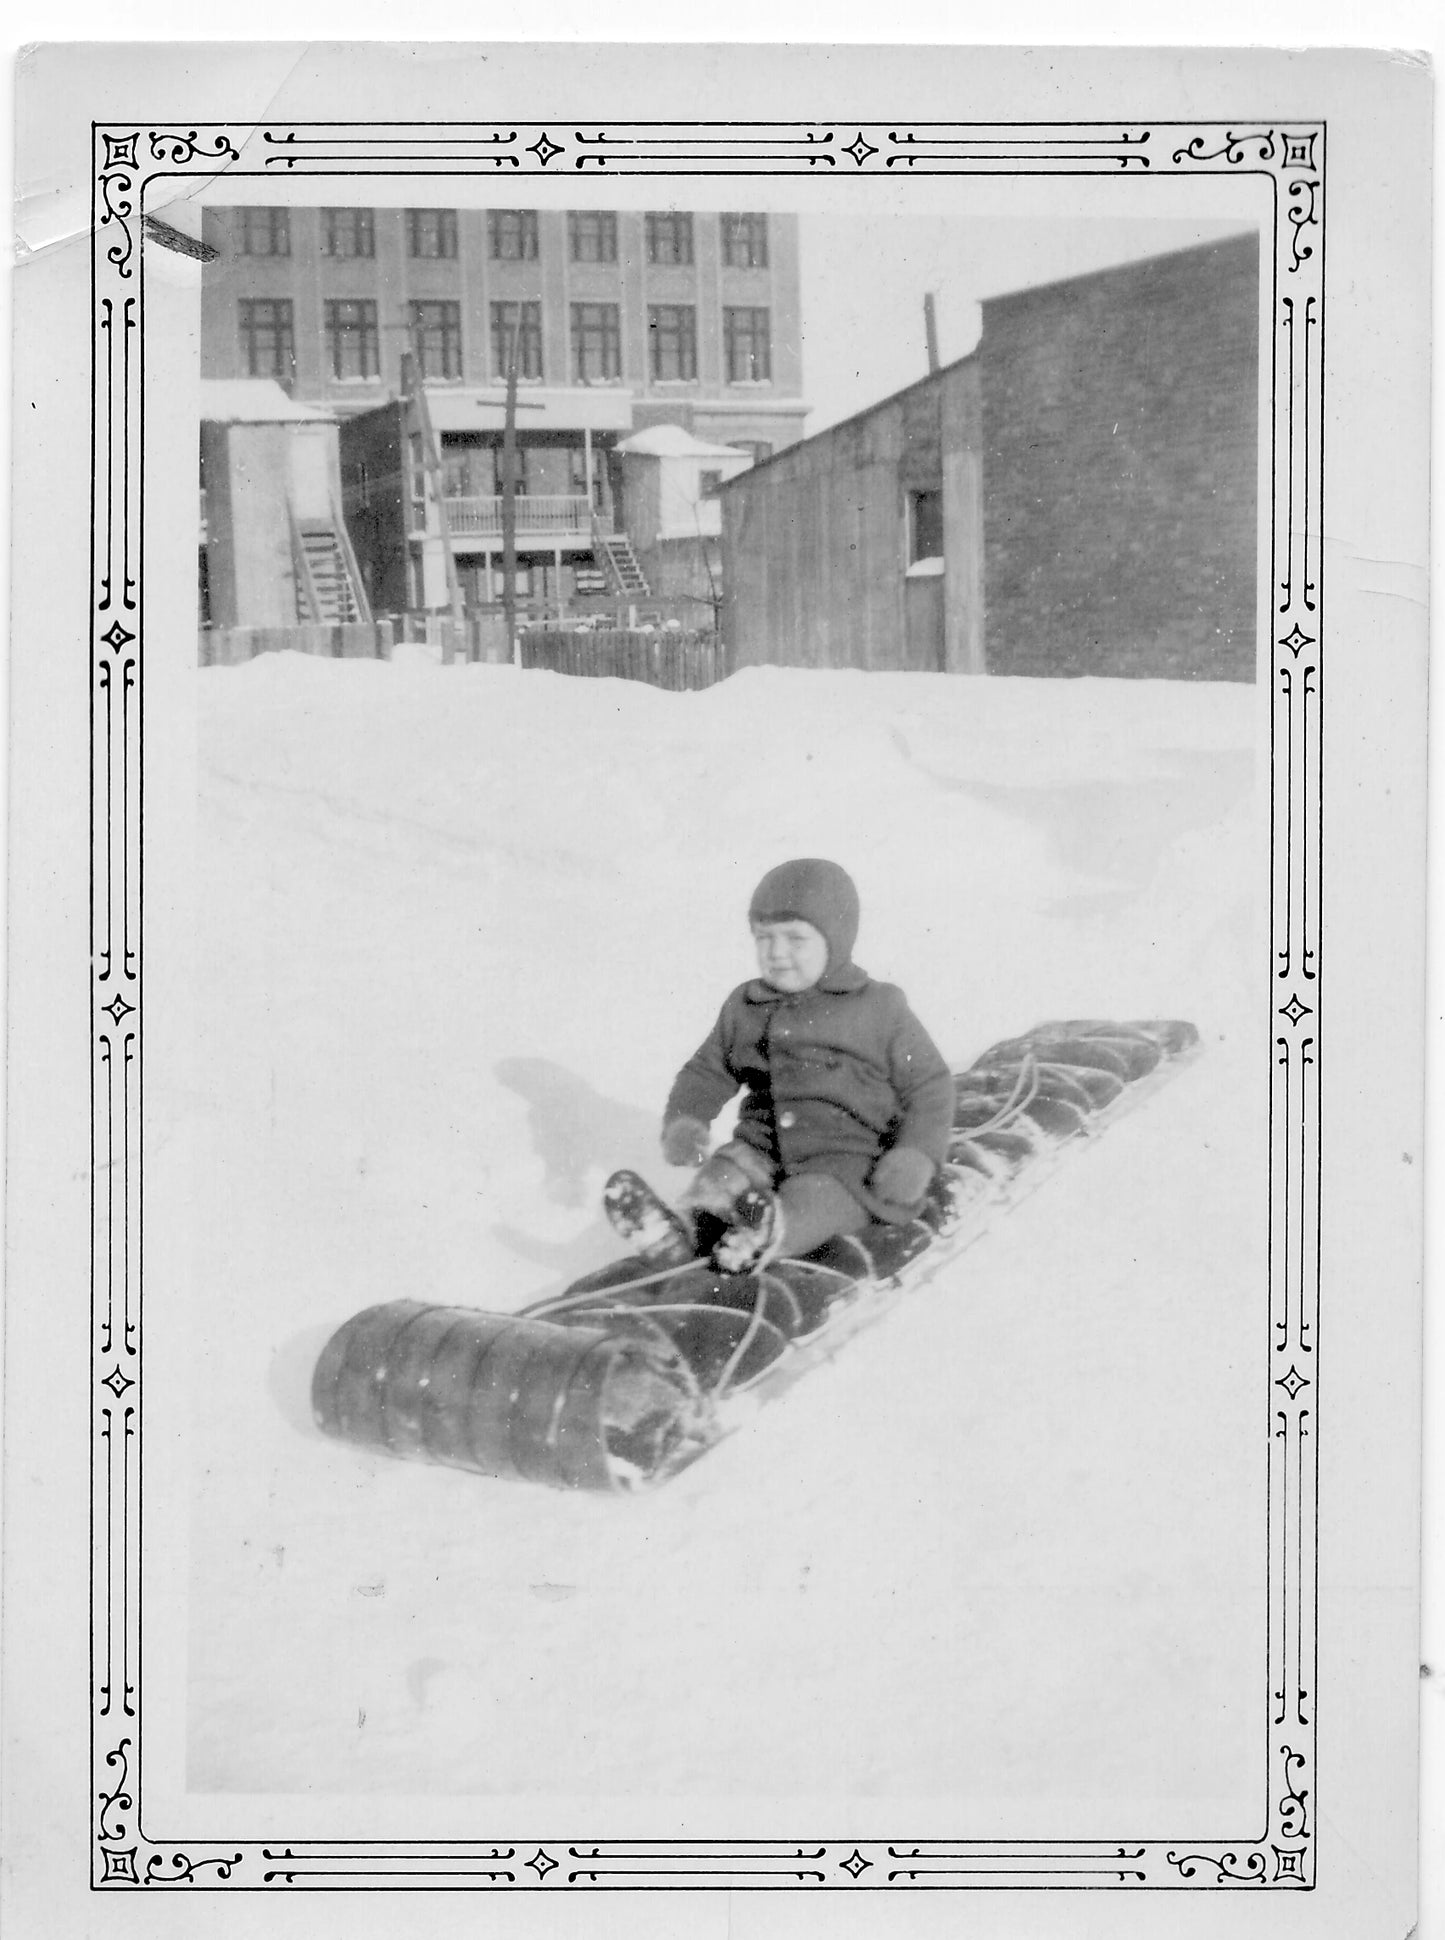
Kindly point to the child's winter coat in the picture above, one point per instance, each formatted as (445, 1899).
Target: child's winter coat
(835, 1076)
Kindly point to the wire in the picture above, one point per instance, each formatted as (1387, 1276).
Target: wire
(561, 1301)
(750, 1333)
(1028, 1078)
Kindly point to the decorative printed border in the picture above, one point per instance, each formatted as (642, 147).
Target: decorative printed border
(1280, 1852)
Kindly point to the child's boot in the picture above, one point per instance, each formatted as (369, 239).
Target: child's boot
(711, 1199)
(754, 1235)
(663, 1238)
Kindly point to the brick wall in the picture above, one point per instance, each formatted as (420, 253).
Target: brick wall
(1120, 426)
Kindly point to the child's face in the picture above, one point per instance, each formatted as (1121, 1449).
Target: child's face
(792, 955)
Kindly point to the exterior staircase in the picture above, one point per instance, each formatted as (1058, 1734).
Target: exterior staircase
(328, 581)
(613, 553)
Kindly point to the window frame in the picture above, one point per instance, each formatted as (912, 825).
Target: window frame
(676, 224)
(683, 338)
(529, 338)
(734, 336)
(441, 226)
(610, 328)
(274, 219)
(250, 331)
(500, 227)
(745, 241)
(362, 224)
(602, 225)
(917, 551)
(338, 332)
(450, 329)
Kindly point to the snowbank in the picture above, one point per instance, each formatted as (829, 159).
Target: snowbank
(458, 929)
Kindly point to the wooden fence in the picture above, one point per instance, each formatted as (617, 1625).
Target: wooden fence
(683, 662)
(471, 639)
(228, 646)
(680, 661)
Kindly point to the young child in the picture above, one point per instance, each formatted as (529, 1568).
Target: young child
(849, 1105)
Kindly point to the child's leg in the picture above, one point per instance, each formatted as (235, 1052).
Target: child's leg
(718, 1183)
(816, 1206)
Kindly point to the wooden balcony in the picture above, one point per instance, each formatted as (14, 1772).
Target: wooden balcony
(542, 519)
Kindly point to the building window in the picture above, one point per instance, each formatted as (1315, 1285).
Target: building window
(456, 473)
(348, 232)
(592, 236)
(512, 235)
(596, 343)
(436, 333)
(925, 526)
(669, 237)
(351, 341)
(265, 232)
(745, 241)
(672, 341)
(747, 346)
(707, 484)
(268, 339)
(431, 233)
(522, 321)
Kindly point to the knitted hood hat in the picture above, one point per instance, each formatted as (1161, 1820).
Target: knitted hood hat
(816, 892)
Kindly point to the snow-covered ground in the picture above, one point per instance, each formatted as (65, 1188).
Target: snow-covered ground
(458, 929)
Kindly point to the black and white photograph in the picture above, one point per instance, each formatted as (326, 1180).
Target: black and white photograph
(965, 678)
(710, 1234)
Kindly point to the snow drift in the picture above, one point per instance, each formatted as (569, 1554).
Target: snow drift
(457, 929)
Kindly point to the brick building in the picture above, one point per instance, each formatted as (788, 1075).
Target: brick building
(619, 321)
(1078, 496)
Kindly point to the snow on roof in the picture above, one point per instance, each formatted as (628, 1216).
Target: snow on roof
(671, 441)
(570, 407)
(254, 400)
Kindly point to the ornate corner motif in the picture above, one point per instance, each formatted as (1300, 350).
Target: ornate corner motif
(1233, 150)
(180, 150)
(179, 1869)
(1292, 1809)
(1248, 1869)
(1302, 214)
(110, 1828)
(117, 179)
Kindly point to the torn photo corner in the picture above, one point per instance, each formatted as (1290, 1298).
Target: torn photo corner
(471, 530)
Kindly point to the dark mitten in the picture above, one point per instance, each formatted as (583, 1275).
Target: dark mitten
(684, 1141)
(902, 1176)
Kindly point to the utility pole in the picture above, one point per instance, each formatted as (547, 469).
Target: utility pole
(930, 331)
(509, 496)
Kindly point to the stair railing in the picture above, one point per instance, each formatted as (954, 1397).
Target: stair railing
(356, 586)
(301, 566)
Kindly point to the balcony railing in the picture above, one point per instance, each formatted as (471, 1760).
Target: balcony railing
(547, 515)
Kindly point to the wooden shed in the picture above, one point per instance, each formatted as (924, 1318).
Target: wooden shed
(1077, 496)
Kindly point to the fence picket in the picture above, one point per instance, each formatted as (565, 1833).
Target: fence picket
(676, 662)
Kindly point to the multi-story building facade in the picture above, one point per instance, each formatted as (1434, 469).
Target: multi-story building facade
(618, 320)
